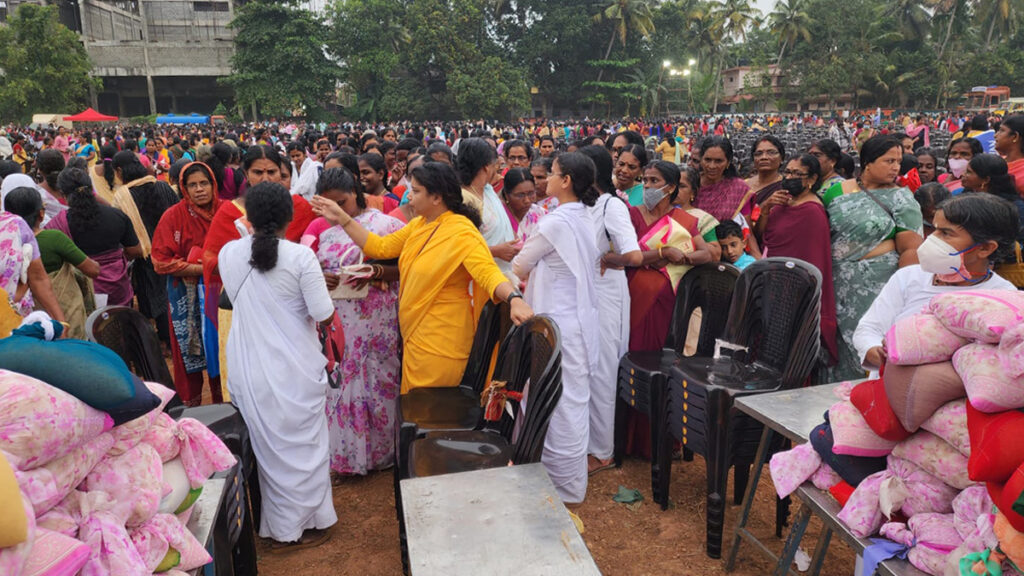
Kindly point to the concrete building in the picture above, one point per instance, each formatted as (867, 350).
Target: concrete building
(154, 56)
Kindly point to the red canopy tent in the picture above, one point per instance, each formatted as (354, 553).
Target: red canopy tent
(90, 115)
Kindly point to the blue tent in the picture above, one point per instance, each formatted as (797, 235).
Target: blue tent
(192, 118)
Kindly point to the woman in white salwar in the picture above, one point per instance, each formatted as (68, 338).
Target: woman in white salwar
(561, 260)
(616, 241)
(277, 377)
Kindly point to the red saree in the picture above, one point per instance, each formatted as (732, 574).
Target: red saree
(802, 231)
(651, 300)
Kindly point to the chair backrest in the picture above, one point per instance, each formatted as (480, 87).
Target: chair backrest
(488, 333)
(708, 287)
(775, 313)
(129, 334)
(542, 364)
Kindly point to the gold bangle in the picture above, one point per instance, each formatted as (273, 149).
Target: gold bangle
(660, 248)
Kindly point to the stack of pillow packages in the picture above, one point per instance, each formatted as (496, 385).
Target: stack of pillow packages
(930, 456)
(95, 479)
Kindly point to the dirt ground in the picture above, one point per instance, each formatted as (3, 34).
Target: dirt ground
(623, 542)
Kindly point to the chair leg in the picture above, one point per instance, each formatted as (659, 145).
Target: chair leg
(741, 476)
(717, 458)
(781, 515)
(658, 418)
(661, 460)
(621, 419)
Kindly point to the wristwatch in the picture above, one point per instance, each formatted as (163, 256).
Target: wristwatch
(513, 295)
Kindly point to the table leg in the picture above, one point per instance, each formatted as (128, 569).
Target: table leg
(748, 498)
(796, 534)
(820, 550)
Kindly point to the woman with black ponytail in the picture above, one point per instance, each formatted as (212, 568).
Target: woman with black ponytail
(561, 260)
(49, 164)
(277, 378)
(439, 253)
(105, 234)
(103, 176)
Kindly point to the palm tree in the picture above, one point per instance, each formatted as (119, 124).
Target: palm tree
(1001, 15)
(730, 18)
(790, 22)
(912, 15)
(628, 16)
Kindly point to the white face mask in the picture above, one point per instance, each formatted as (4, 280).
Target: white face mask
(946, 262)
(957, 166)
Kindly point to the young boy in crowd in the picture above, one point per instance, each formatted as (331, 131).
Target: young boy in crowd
(730, 238)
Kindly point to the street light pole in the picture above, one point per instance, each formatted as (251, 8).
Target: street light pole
(661, 74)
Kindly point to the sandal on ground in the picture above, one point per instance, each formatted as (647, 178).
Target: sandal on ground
(595, 465)
(309, 539)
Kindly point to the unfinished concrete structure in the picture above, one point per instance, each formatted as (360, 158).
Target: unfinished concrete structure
(154, 56)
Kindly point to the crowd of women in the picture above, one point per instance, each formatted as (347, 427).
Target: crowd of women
(237, 248)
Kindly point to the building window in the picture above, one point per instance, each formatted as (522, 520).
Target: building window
(210, 6)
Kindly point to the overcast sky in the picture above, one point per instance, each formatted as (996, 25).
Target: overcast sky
(766, 6)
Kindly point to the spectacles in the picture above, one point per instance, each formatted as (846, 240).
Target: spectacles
(518, 158)
(201, 185)
(772, 152)
(524, 195)
(556, 175)
(794, 174)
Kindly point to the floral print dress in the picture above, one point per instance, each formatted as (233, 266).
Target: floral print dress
(361, 413)
(858, 224)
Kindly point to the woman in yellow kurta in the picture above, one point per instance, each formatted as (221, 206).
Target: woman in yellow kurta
(439, 252)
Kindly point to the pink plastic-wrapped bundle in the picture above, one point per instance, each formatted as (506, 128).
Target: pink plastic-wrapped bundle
(902, 486)
(949, 422)
(54, 554)
(164, 533)
(930, 538)
(133, 479)
(13, 558)
(127, 435)
(921, 339)
(792, 468)
(937, 457)
(39, 423)
(101, 527)
(47, 485)
(201, 451)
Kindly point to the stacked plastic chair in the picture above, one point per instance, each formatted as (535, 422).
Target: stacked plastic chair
(643, 376)
(774, 319)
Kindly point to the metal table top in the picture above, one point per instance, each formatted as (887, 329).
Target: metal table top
(500, 521)
(825, 507)
(792, 413)
(204, 513)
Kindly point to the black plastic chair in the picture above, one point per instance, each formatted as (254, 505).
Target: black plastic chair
(234, 542)
(774, 314)
(130, 335)
(643, 376)
(457, 408)
(538, 371)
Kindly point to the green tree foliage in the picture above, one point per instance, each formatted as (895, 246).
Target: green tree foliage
(426, 58)
(279, 62)
(43, 65)
(481, 58)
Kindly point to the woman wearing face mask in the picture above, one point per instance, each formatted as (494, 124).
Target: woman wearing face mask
(989, 173)
(960, 152)
(652, 284)
(971, 232)
(793, 223)
(616, 241)
(875, 228)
